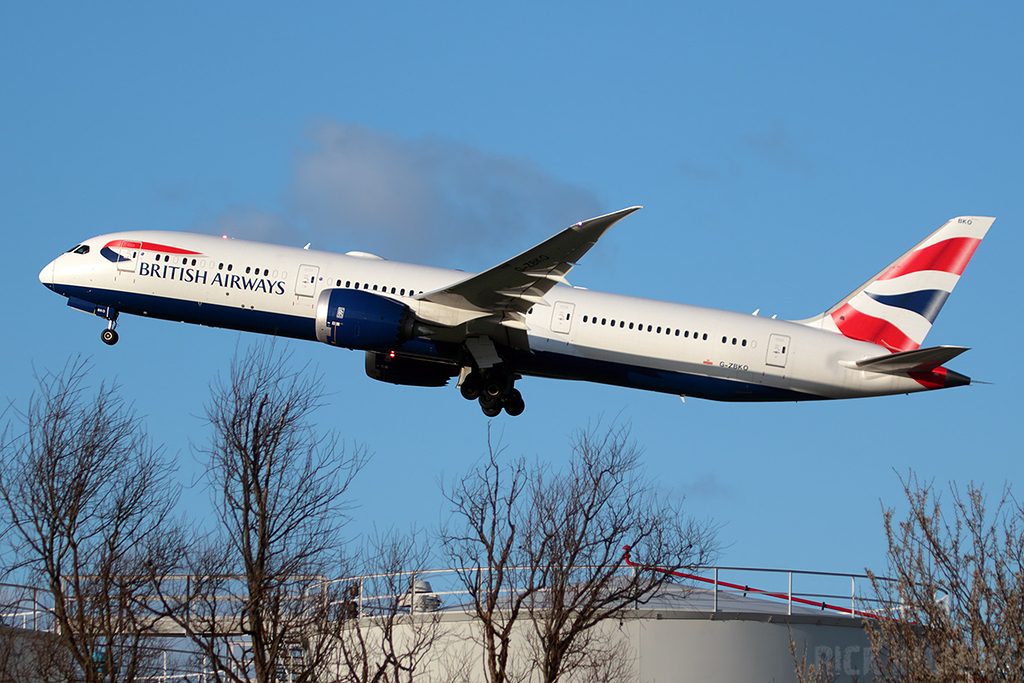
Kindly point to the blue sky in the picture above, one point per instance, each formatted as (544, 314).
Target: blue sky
(784, 153)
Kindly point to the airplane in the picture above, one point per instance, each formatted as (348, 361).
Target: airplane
(423, 326)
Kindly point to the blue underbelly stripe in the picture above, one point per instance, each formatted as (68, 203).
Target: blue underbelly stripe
(213, 315)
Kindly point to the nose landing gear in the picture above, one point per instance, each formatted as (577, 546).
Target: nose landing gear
(495, 391)
(109, 335)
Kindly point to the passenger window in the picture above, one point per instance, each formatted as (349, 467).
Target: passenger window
(705, 336)
(375, 288)
(366, 285)
(338, 283)
(220, 266)
(613, 323)
(677, 333)
(631, 326)
(584, 318)
(403, 291)
(744, 342)
(734, 341)
(724, 339)
(649, 328)
(604, 320)
(229, 267)
(659, 329)
(392, 290)
(622, 323)
(247, 270)
(193, 262)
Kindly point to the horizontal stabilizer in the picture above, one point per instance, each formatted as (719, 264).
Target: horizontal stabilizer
(919, 360)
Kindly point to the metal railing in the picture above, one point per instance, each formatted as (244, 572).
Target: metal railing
(411, 592)
(836, 593)
(26, 607)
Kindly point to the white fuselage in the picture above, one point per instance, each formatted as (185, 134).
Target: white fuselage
(573, 334)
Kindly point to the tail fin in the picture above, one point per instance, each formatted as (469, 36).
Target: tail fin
(897, 307)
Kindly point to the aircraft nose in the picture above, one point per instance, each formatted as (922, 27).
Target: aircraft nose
(46, 274)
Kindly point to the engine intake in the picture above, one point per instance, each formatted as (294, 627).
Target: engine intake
(362, 320)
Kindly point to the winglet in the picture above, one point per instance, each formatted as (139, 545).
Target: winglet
(600, 224)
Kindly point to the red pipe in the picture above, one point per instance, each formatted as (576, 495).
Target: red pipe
(748, 589)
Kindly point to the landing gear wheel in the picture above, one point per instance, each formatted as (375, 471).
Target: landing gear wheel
(491, 405)
(471, 386)
(109, 337)
(494, 387)
(514, 404)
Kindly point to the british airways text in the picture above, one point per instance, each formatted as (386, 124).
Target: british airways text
(169, 272)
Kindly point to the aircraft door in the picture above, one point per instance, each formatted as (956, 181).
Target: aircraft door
(305, 285)
(127, 256)
(561, 317)
(778, 348)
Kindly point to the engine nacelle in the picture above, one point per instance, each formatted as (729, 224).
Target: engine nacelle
(387, 367)
(362, 320)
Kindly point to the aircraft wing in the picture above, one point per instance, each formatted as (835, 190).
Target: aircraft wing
(503, 294)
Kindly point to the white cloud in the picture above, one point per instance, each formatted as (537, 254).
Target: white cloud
(706, 486)
(256, 224)
(358, 188)
(777, 146)
(709, 173)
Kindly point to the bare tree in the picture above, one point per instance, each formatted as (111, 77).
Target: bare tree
(956, 591)
(481, 542)
(548, 546)
(391, 627)
(577, 523)
(87, 499)
(257, 601)
(822, 672)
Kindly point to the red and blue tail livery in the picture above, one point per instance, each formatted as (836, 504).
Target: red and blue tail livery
(423, 326)
(897, 307)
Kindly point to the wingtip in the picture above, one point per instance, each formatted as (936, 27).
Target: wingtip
(607, 220)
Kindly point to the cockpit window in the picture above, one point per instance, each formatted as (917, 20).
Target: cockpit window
(84, 249)
(77, 246)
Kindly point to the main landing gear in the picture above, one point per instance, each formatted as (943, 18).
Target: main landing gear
(495, 390)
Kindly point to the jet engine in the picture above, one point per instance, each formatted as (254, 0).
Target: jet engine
(362, 320)
(394, 369)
